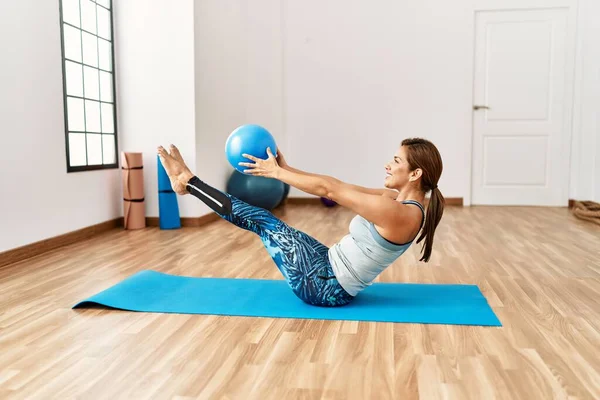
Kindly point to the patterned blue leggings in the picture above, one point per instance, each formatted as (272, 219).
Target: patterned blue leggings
(302, 260)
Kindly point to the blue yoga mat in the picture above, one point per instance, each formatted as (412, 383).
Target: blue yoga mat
(151, 291)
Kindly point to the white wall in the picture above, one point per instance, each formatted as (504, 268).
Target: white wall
(314, 73)
(340, 83)
(597, 169)
(585, 150)
(238, 77)
(155, 86)
(362, 76)
(39, 199)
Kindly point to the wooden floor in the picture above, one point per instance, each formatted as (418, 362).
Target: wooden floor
(538, 267)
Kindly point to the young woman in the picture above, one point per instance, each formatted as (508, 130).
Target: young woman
(387, 223)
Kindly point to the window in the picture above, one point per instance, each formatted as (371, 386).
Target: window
(89, 84)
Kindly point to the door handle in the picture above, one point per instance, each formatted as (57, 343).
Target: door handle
(477, 107)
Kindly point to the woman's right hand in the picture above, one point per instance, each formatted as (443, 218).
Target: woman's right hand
(281, 160)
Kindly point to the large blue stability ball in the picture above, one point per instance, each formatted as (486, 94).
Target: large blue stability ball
(248, 139)
(286, 191)
(258, 191)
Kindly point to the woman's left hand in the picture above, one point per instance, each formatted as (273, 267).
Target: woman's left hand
(267, 168)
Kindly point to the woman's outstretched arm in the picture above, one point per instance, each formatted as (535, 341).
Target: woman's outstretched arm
(381, 210)
(374, 191)
(314, 184)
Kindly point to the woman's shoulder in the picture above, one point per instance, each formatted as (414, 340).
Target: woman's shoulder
(406, 232)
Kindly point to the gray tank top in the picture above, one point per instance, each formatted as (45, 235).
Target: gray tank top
(360, 256)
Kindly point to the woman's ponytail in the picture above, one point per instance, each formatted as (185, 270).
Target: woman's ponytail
(423, 154)
(435, 210)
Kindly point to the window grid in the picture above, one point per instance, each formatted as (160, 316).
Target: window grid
(99, 83)
(85, 30)
(83, 84)
(87, 65)
(88, 131)
(71, 96)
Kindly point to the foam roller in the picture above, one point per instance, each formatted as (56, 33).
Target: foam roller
(134, 212)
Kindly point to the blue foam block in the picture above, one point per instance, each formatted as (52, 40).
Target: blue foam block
(168, 208)
(168, 211)
(151, 291)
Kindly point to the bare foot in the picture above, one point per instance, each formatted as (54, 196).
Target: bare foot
(176, 154)
(179, 174)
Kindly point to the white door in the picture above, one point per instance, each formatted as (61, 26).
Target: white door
(521, 129)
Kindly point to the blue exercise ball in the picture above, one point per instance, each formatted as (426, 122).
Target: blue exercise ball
(286, 192)
(248, 139)
(258, 191)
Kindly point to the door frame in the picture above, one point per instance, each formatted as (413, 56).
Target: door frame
(572, 44)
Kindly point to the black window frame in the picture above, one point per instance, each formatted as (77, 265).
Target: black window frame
(64, 60)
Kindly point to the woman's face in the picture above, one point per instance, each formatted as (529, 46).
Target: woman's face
(397, 171)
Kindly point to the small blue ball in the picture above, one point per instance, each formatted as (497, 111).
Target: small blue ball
(248, 139)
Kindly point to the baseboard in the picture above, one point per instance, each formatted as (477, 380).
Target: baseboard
(455, 201)
(302, 200)
(43, 246)
(37, 248)
(187, 222)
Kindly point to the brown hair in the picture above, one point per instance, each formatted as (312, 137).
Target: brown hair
(423, 154)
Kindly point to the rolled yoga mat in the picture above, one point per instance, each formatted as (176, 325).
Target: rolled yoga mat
(168, 209)
(134, 211)
(151, 291)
